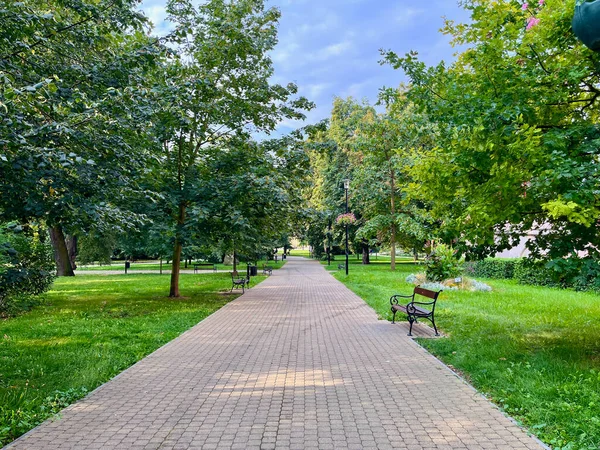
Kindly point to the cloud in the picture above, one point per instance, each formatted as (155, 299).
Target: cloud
(332, 50)
(331, 47)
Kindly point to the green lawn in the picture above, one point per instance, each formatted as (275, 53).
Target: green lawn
(534, 351)
(119, 265)
(90, 329)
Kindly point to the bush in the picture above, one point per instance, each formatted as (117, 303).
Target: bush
(535, 273)
(27, 267)
(442, 263)
(523, 270)
(500, 269)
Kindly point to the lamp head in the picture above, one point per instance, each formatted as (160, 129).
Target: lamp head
(346, 183)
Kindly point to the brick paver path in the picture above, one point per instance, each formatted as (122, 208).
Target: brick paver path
(297, 362)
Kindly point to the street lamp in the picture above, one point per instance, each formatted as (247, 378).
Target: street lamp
(346, 187)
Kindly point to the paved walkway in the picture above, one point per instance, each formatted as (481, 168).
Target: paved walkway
(297, 362)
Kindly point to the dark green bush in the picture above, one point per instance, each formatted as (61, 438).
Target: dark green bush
(26, 267)
(536, 274)
(500, 269)
(582, 274)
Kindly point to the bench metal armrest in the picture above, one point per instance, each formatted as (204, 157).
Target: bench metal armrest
(412, 310)
(422, 303)
(394, 298)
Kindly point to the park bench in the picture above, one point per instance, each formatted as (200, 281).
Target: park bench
(237, 282)
(267, 269)
(341, 266)
(414, 310)
(209, 266)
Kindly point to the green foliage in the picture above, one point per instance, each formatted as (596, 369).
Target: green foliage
(535, 273)
(72, 134)
(580, 274)
(17, 421)
(96, 247)
(517, 135)
(213, 92)
(499, 269)
(27, 265)
(373, 150)
(532, 350)
(443, 263)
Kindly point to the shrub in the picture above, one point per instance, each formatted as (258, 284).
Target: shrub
(27, 267)
(412, 278)
(433, 286)
(581, 274)
(500, 269)
(443, 263)
(535, 273)
(478, 286)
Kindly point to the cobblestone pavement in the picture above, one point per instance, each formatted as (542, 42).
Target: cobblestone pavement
(297, 362)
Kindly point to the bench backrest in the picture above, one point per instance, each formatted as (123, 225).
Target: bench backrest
(433, 295)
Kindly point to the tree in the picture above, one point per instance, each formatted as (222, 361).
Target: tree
(375, 151)
(72, 139)
(215, 86)
(517, 147)
(250, 197)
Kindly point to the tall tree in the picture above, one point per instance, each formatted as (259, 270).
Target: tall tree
(517, 115)
(216, 85)
(72, 138)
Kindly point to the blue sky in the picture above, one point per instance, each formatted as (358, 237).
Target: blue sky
(331, 47)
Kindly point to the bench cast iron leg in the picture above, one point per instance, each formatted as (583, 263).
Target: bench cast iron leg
(393, 315)
(434, 327)
(411, 320)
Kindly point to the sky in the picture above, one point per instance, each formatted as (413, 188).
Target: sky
(331, 48)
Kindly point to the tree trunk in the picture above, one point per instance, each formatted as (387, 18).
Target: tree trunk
(393, 204)
(71, 242)
(61, 252)
(234, 261)
(365, 253)
(174, 292)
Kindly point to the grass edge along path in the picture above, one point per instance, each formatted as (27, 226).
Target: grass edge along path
(166, 268)
(88, 331)
(533, 351)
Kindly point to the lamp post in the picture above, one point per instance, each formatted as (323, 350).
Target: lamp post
(329, 242)
(346, 187)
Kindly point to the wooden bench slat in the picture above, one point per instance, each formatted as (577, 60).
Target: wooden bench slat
(426, 293)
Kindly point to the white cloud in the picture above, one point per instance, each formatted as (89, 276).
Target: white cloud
(332, 50)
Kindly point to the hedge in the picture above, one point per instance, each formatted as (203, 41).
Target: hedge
(525, 272)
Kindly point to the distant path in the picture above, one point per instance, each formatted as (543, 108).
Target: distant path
(297, 362)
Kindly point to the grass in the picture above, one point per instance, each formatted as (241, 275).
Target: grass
(152, 265)
(533, 351)
(89, 330)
